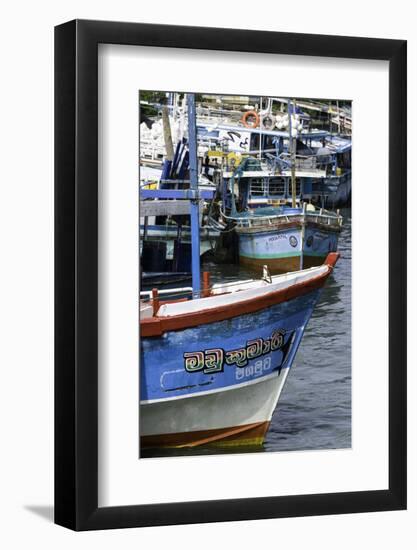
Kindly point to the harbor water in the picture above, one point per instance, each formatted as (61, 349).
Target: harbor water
(314, 410)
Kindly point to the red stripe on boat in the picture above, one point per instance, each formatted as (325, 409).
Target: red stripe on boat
(156, 326)
(248, 434)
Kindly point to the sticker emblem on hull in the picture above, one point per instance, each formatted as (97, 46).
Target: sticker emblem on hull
(293, 241)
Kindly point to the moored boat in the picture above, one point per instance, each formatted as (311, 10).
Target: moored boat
(212, 368)
(285, 238)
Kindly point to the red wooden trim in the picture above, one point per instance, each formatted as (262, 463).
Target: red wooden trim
(331, 259)
(206, 284)
(155, 301)
(156, 326)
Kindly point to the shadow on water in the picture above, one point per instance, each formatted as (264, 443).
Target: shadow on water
(314, 410)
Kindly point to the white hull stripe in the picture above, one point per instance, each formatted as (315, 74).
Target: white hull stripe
(250, 404)
(208, 392)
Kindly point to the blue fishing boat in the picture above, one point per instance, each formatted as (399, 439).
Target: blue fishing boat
(212, 368)
(213, 361)
(283, 237)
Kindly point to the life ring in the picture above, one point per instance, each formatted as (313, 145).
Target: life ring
(267, 121)
(250, 114)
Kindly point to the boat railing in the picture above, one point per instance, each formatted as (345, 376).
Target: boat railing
(322, 218)
(208, 289)
(274, 187)
(151, 150)
(155, 297)
(167, 291)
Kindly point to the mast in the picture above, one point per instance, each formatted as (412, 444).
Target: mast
(194, 202)
(293, 142)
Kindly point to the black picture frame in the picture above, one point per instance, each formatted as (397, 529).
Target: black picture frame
(76, 271)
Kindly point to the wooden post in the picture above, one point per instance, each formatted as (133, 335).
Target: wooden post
(155, 301)
(167, 133)
(206, 284)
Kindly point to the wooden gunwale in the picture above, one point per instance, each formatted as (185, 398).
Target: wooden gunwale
(156, 326)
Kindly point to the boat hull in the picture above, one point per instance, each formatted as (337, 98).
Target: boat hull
(282, 265)
(219, 383)
(237, 417)
(286, 249)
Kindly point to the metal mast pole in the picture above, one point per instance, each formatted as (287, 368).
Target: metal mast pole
(292, 153)
(194, 202)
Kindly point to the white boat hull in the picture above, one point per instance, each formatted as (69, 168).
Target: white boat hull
(236, 416)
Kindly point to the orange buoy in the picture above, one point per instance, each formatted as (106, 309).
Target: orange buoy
(248, 114)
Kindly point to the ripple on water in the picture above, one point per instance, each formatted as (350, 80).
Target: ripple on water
(314, 410)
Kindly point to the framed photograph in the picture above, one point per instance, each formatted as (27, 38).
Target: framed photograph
(230, 275)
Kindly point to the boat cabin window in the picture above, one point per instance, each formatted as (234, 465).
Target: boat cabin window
(267, 142)
(257, 187)
(277, 187)
(254, 142)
